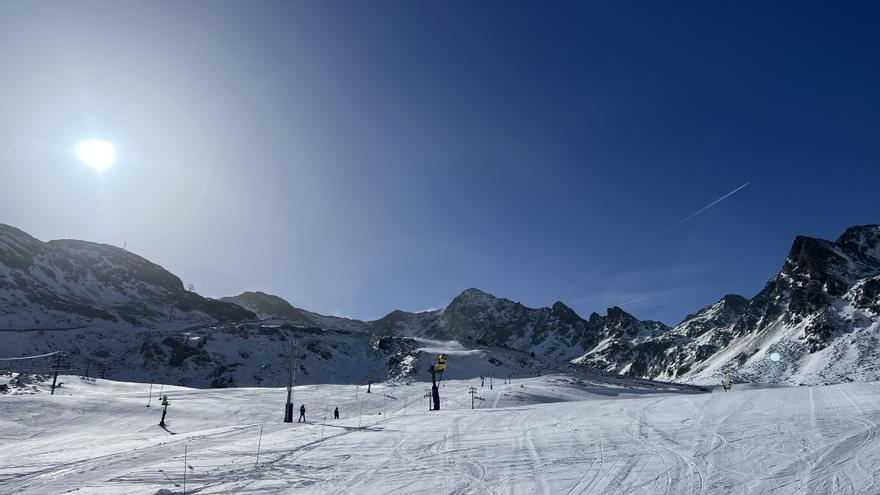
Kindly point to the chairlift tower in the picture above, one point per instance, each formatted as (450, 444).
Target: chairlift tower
(291, 379)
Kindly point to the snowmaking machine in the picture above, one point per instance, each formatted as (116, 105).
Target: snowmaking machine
(437, 370)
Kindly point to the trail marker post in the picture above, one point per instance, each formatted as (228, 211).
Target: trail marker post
(185, 448)
(259, 444)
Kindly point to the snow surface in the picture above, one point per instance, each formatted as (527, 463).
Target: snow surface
(551, 434)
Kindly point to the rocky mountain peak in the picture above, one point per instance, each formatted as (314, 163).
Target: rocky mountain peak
(615, 313)
(808, 252)
(862, 240)
(473, 297)
(734, 300)
(563, 311)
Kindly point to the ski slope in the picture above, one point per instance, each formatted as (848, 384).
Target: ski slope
(548, 434)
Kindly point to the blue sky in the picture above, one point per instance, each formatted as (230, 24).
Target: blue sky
(357, 157)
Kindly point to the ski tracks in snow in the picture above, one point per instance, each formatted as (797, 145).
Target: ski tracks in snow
(839, 465)
(787, 441)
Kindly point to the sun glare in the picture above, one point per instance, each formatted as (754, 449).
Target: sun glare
(96, 153)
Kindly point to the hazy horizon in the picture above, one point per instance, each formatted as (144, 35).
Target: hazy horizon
(357, 158)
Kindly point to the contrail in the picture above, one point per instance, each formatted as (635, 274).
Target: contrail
(701, 210)
(632, 301)
(662, 232)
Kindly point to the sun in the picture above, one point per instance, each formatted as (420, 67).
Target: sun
(96, 153)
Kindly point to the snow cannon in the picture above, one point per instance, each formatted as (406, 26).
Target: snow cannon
(436, 369)
(441, 364)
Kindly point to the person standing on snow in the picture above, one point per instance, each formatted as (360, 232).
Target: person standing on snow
(336, 413)
(302, 414)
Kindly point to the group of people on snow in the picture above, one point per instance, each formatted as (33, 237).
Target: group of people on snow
(302, 413)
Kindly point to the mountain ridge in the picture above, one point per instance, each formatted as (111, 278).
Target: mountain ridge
(267, 305)
(817, 317)
(68, 282)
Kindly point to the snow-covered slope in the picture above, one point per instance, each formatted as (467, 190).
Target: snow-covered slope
(253, 354)
(68, 283)
(271, 306)
(547, 435)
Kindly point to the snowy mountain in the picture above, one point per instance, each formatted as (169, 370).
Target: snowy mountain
(816, 321)
(271, 306)
(69, 283)
(116, 314)
(556, 333)
(474, 315)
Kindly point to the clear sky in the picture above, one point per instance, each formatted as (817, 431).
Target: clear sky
(357, 157)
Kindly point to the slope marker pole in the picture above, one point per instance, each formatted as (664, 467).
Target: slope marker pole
(259, 444)
(185, 447)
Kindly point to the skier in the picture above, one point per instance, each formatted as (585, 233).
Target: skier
(336, 413)
(302, 414)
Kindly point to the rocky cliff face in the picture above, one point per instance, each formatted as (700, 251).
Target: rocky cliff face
(816, 321)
